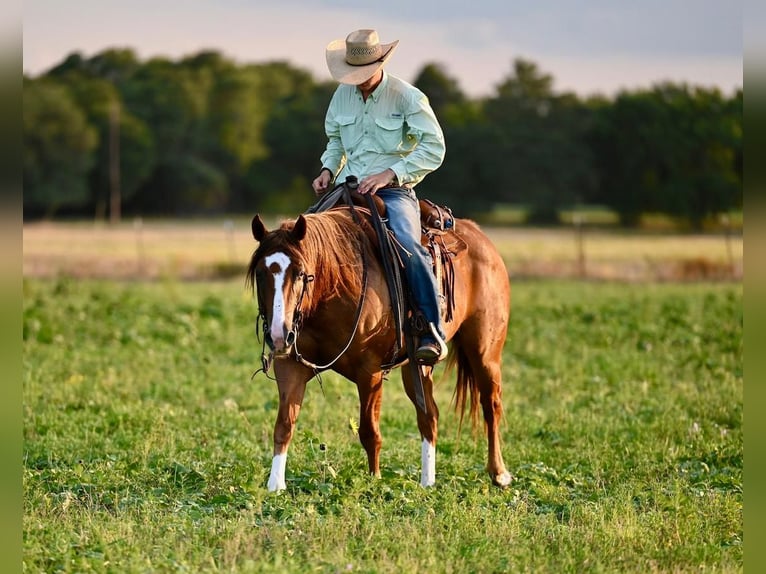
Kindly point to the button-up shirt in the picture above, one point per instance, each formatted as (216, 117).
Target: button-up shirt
(395, 128)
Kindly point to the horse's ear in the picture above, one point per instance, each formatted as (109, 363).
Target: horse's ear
(259, 229)
(299, 229)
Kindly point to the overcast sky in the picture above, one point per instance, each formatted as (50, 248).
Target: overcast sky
(588, 46)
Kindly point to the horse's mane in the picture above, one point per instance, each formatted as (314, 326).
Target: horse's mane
(331, 251)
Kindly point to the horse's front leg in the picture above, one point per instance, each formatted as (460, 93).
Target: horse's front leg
(428, 424)
(370, 397)
(291, 382)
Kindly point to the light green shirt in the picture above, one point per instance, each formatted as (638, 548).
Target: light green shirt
(395, 128)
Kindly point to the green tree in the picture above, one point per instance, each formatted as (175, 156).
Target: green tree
(442, 90)
(464, 181)
(700, 175)
(293, 109)
(539, 154)
(467, 179)
(102, 104)
(295, 138)
(115, 65)
(97, 83)
(670, 149)
(173, 99)
(58, 148)
(206, 134)
(232, 133)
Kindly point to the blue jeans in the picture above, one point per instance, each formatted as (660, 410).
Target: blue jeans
(403, 214)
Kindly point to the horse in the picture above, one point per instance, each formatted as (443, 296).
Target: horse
(323, 297)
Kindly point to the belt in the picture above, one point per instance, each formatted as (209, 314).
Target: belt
(406, 186)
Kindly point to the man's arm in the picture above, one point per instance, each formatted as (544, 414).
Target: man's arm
(429, 152)
(334, 156)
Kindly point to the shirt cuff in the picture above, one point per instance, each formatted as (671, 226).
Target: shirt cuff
(401, 175)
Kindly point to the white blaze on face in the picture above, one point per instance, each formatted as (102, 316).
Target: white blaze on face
(428, 456)
(278, 263)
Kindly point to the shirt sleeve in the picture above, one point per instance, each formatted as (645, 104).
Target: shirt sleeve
(334, 156)
(429, 150)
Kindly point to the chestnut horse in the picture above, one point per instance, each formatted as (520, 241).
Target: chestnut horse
(325, 305)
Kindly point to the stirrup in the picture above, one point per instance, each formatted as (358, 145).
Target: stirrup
(432, 352)
(428, 353)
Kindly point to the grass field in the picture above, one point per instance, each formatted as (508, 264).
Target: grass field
(147, 445)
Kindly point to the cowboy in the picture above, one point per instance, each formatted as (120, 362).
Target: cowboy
(382, 130)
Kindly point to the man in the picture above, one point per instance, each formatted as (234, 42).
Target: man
(383, 130)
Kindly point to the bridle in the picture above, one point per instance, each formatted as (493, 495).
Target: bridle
(291, 339)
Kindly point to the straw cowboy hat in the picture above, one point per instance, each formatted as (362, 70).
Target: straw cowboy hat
(356, 59)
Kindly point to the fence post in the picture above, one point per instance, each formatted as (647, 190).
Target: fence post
(578, 220)
(115, 194)
(138, 227)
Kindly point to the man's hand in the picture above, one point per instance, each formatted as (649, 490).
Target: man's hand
(321, 182)
(372, 183)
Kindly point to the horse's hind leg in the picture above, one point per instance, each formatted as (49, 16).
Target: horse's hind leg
(370, 397)
(428, 424)
(484, 357)
(491, 395)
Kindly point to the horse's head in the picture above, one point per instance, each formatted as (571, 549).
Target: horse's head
(276, 272)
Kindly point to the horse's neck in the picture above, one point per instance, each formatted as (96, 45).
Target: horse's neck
(332, 279)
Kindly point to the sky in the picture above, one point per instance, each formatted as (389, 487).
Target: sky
(587, 46)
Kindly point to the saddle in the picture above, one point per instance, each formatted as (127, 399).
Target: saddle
(437, 236)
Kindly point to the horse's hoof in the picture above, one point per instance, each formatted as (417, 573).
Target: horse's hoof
(502, 480)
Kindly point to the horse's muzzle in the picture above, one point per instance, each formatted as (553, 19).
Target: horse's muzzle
(283, 345)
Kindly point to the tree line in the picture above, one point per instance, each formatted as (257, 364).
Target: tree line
(204, 134)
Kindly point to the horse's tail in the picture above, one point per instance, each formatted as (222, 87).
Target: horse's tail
(466, 390)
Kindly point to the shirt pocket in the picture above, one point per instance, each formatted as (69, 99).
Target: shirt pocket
(389, 134)
(349, 132)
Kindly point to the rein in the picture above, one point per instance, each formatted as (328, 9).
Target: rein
(298, 357)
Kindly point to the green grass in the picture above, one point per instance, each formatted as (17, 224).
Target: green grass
(147, 446)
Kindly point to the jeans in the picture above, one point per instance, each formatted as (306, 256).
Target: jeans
(403, 214)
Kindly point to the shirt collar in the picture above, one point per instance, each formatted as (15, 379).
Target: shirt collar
(375, 95)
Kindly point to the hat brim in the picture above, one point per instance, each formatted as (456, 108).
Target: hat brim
(344, 72)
